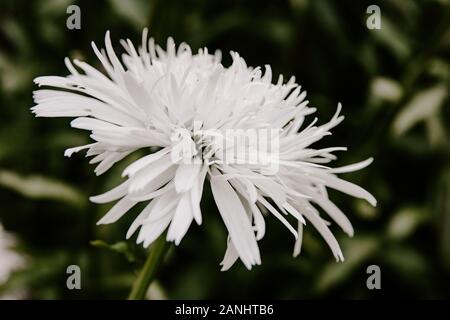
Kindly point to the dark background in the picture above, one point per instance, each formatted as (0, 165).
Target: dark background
(393, 84)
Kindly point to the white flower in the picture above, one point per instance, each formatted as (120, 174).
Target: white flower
(178, 105)
(10, 261)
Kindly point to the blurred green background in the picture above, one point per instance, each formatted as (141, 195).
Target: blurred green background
(393, 84)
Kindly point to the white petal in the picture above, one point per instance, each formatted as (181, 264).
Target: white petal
(164, 205)
(161, 180)
(271, 188)
(86, 123)
(140, 219)
(143, 162)
(258, 220)
(151, 231)
(196, 195)
(153, 194)
(117, 211)
(294, 212)
(320, 225)
(109, 161)
(336, 214)
(186, 176)
(353, 167)
(349, 188)
(148, 174)
(181, 220)
(274, 211)
(231, 256)
(236, 221)
(298, 242)
(113, 194)
(69, 152)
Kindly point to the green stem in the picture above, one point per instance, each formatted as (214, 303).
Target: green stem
(151, 266)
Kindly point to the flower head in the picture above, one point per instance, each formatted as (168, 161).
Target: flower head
(200, 121)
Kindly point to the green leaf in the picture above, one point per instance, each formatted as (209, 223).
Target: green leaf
(386, 89)
(39, 187)
(365, 210)
(356, 251)
(405, 222)
(406, 262)
(435, 131)
(119, 247)
(134, 11)
(14, 76)
(392, 38)
(422, 106)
